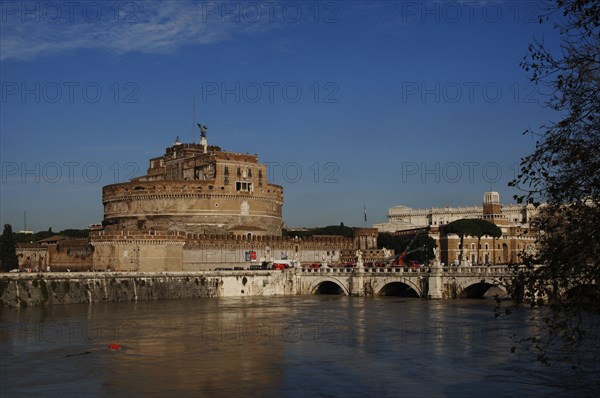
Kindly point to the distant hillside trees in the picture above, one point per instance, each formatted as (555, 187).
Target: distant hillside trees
(69, 233)
(339, 230)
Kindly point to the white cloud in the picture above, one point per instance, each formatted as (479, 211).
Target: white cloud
(147, 27)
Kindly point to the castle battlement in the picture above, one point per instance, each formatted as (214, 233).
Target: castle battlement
(197, 188)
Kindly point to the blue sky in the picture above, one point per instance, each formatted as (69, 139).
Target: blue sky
(351, 103)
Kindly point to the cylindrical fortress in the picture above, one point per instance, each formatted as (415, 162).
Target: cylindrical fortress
(197, 189)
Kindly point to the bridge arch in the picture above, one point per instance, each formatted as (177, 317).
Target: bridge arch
(397, 288)
(481, 289)
(328, 286)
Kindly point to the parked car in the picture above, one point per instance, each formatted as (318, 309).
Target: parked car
(257, 267)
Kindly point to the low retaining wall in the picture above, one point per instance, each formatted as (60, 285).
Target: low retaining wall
(31, 289)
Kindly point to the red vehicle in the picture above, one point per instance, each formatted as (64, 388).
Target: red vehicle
(279, 266)
(400, 259)
(312, 266)
(284, 264)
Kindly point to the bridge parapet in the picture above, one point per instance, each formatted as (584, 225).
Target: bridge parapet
(369, 270)
(396, 270)
(496, 270)
(322, 271)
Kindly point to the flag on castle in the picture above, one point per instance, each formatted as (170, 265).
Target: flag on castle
(365, 206)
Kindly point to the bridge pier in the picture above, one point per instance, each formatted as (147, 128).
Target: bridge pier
(357, 282)
(436, 285)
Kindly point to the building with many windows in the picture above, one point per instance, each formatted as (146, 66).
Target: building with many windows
(513, 220)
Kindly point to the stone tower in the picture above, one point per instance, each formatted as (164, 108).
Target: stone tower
(492, 209)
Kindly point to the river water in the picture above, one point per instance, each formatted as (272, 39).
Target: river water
(322, 346)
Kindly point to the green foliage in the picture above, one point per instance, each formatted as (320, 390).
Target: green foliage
(8, 252)
(75, 233)
(339, 230)
(400, 243)
(69, 233)
(472, 227)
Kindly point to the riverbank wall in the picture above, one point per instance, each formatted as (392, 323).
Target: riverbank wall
(34, 289)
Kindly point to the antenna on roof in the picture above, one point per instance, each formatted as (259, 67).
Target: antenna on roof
(194, 116)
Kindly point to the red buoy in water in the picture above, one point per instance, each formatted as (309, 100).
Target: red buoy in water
(114, 347)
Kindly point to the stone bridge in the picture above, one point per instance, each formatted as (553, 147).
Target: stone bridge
(427, 282)
(29, 289)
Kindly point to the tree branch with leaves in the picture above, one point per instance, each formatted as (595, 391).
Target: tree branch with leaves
(563, 174)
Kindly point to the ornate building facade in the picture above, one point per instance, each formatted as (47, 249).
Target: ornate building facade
(513, 220)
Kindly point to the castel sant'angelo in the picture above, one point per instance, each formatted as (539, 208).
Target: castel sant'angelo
(198, 189)
(198, 208)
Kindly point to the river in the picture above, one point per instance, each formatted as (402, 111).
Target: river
(322, 346)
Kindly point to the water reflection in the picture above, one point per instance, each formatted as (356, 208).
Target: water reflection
(272, 347)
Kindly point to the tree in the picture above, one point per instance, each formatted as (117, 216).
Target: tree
(8, 251)
(339, 230)
(563, 173)
(472, 227)
(400, 243)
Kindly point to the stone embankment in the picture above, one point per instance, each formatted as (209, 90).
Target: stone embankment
(33, 289)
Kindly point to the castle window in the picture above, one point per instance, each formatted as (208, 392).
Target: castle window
(250, 173)
(239, 172)
(226, 172)
(243, 186)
